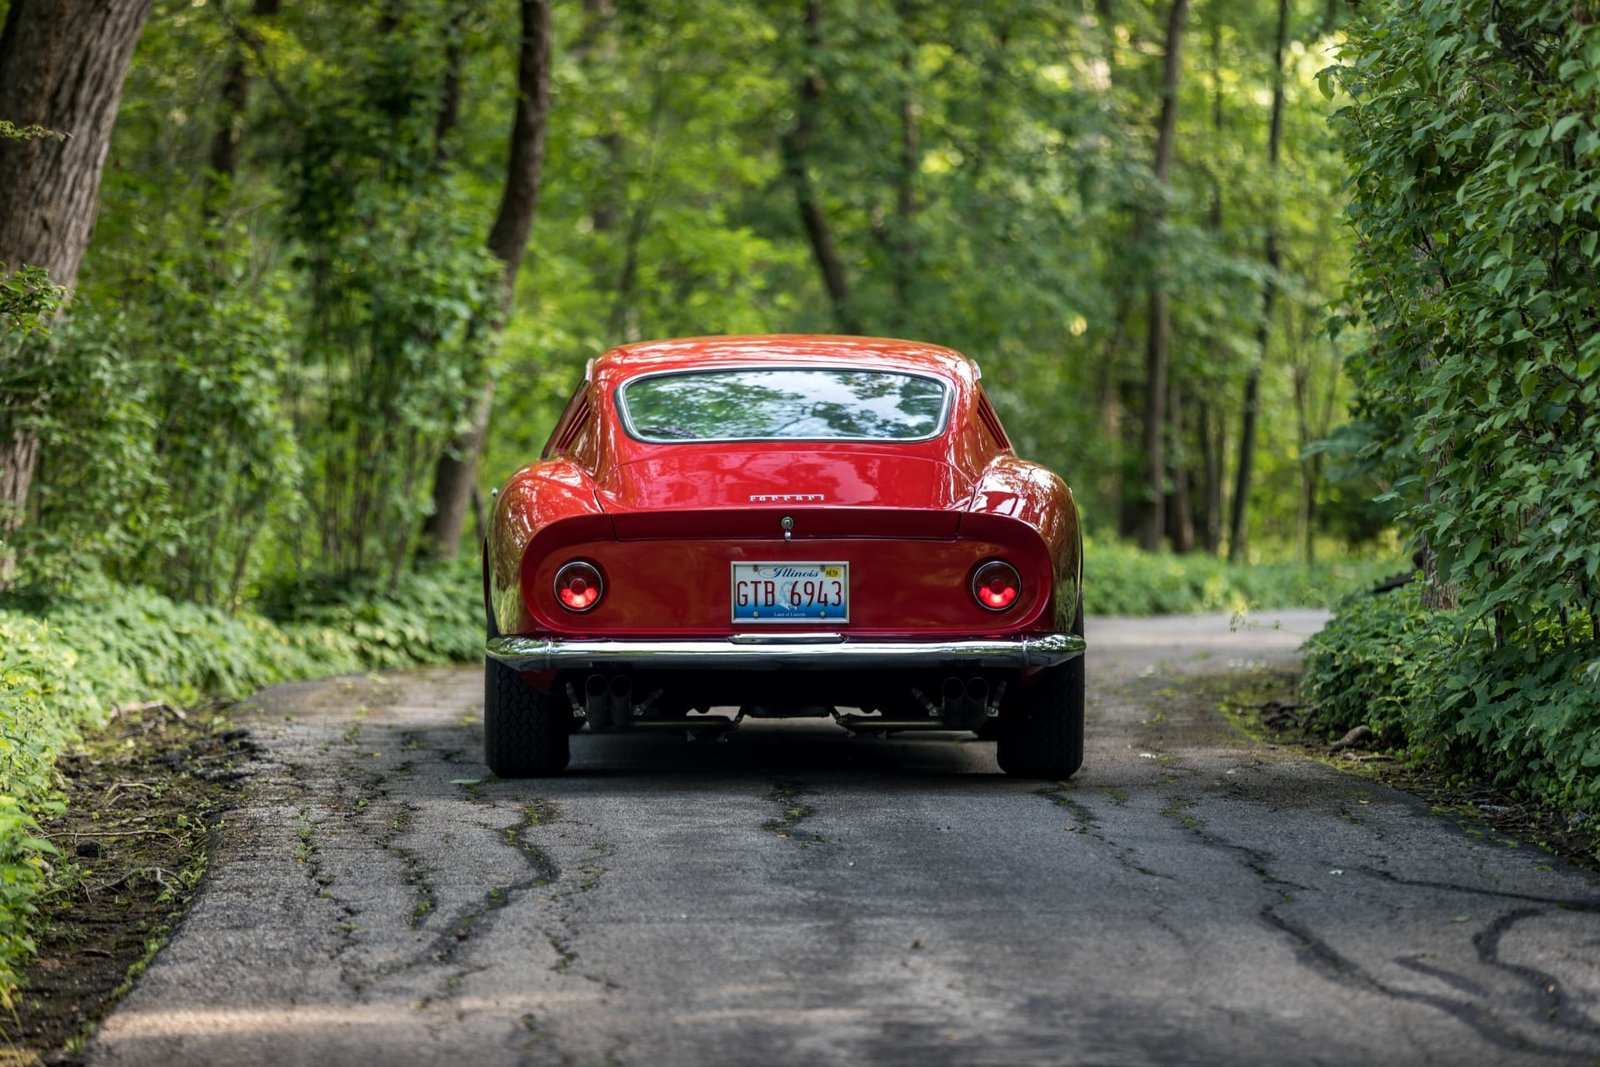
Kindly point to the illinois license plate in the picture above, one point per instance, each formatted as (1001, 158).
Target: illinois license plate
(791, 592)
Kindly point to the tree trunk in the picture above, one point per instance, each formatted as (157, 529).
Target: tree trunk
(457, 470)
(595, 52)
(1238, 527)
(1211, 447)
(1179, 503)
(62, 63)
(905, 245)
(1158, 337)
(1212, 443)
(449, 114)
(796, 145)
(235, 98)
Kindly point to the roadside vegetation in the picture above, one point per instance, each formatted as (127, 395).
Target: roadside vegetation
(1119, 579)
(1473, 133)
(66, 663)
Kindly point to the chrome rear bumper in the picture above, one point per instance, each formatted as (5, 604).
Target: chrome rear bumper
(792, 651)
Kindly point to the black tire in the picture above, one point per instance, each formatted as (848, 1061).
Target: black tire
(524, 731)
(1041, 734)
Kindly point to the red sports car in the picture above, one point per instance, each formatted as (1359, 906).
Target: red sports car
(783, 526)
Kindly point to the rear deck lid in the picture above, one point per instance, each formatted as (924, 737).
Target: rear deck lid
(699, 477)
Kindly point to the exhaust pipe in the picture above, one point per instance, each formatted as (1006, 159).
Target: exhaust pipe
(596, 702)
(621, 701)
(964, 706)
(952, 699)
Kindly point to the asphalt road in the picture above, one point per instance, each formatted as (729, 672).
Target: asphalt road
(795, 896)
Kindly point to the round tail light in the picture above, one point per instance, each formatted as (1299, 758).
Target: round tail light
(579, 586)
(996, 585)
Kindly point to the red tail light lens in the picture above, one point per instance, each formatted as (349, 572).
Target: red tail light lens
(996, 585)
(579, 586)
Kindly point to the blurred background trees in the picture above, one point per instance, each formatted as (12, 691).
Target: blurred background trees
(278, 350)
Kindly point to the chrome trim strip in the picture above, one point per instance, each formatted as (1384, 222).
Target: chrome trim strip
(787, 639)
(819, 652)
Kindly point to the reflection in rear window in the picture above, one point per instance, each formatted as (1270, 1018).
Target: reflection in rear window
(784, 404)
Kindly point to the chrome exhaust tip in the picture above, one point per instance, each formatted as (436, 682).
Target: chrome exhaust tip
(620, 701)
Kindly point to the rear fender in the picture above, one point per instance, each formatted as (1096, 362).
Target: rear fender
(556, 495)
(1012, 490)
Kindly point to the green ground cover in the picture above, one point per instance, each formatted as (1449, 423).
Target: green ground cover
(64, 662)
(1121, 580)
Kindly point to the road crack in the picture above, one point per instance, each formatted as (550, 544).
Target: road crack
(1059, 794)
(795, 811)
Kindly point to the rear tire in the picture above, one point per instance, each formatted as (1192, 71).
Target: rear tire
(524, 732)
(1041, 735)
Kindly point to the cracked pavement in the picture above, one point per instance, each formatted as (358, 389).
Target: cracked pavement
(796, 896)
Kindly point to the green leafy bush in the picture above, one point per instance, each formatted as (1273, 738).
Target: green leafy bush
(428, 616)
(1525, 716)
(41, 703)
(1121, 580)
(1374, 663)
(1473, 134)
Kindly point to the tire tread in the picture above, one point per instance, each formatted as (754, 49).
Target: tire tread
(1041, 735)
(523, 736)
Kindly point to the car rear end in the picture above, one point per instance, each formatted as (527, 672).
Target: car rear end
(792, 540)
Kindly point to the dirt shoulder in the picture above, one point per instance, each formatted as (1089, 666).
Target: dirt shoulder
(1267, 705)
(144, 795)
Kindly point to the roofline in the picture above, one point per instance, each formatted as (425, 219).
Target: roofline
(763, 347)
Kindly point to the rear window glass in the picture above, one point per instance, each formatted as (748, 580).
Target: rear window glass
(768, 404)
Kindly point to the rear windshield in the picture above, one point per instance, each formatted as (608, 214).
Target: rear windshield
(776, 404)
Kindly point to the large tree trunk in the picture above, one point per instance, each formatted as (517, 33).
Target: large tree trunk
(62, 63)
(1152, 523)
(456, 474)
(1238, 526)
(797, 145)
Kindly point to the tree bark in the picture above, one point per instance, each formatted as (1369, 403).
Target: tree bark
(1158, 336)
(235, 98)
(796, 145)
(457, 469)
(1179, 503)
(62, 64)
(905, 245)
(1212, 444)
(449, 114)
(595, 52)
(519, 200)
(1238, 526)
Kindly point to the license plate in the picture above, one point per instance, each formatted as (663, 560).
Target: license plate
(791, 592)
